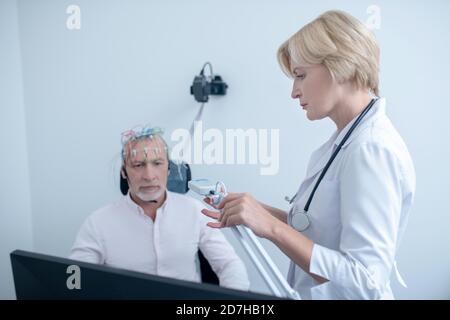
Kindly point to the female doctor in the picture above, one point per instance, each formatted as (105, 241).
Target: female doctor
(350, 212)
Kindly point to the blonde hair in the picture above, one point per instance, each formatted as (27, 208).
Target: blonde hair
(340, 42)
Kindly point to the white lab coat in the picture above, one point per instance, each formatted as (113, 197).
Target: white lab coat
(359, 211)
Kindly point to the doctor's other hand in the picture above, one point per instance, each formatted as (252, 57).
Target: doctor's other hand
(242, 208)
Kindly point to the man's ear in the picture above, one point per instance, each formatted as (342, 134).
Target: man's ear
(123, 181)
(123, 173)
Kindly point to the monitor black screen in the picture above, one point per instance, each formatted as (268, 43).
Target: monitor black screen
(39, 276)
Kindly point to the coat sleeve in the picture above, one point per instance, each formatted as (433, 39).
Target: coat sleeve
(370, 206)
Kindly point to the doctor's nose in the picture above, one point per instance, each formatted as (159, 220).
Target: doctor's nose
(296, 92)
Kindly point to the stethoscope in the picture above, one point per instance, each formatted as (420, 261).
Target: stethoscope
(301, 220)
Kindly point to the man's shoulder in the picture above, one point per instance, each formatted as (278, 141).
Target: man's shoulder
(109, 209)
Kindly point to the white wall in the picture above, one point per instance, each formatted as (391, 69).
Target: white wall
(15, 206)
(133, 62)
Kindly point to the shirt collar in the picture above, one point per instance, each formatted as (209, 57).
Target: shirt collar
(378, 110)
(130, 202)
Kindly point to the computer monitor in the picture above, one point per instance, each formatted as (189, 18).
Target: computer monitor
(39, 276)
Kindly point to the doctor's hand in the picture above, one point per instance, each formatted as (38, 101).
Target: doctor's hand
(241, 208)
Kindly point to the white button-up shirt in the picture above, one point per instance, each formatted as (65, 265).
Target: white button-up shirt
(121, 235)
(359, 211)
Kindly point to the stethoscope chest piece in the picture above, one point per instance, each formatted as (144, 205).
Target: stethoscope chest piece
(300, 221)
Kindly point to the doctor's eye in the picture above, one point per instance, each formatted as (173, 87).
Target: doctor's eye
(301, 76)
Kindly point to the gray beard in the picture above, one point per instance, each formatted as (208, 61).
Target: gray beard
(147, 198)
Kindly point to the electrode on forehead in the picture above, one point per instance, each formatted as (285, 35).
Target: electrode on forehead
(146, 151)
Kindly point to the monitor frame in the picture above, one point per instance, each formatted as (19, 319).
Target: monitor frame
(41, 276)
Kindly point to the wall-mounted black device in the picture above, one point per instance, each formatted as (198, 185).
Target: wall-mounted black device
(203, 86)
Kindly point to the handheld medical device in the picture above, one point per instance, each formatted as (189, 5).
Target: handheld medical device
(216, 192)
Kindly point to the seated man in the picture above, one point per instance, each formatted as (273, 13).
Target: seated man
(154, 230)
